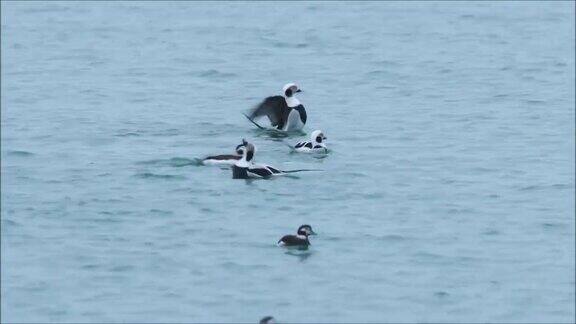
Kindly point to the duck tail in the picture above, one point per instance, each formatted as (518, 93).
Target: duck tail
(253, 122)
(302, 170)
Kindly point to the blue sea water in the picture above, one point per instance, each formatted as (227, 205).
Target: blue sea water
(448, 195)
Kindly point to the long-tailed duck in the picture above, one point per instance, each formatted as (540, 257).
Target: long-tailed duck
(316, 144)
(245, 168)
(285, 112)
(225, 159)
(300, 239)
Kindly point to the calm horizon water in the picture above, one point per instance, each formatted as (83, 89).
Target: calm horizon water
(448, 194)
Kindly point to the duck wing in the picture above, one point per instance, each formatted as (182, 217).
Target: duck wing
(292, 240)
(261, 172)
(275, 108)
(223, 157)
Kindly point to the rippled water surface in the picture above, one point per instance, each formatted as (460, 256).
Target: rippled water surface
(448, 195)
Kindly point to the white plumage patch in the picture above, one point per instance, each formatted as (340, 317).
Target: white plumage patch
(292, 102)
(304, 149)
(218, 162)
(312, 146)
(294, 122)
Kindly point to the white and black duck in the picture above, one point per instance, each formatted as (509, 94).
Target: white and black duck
(225, 159)
(285, 112)
(317, 144)
(245, 168)
(300, 239)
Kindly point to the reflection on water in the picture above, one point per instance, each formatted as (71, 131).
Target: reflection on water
(302, 253)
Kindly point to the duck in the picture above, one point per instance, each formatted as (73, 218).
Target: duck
(300, 239)
(315, 145)
(285, 112)
(267, 320)
(245, 168)
(225, 159)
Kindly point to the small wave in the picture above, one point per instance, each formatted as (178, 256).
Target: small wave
(122, 268)
(392, 238)
(378, 73)
(542, 187)
(149, 175)
(529, 188)
(20, 153)
(161, 212)
(108, 219)
(8, 222)
(374, 195)
(457, 211)
(129, 131)
(427, 256)
(332, 238)
(441, 294)
(386, 63)
(127, 134)
(176, 162)
(552, 225)
(535, 102)
(46, 9)
(491, 232)
(139, 100)
(272, 133)
(90, 266)
(355, 175)
(168, 132)
(279, 44)
(301, 253)
(483, 170)
(215, 74)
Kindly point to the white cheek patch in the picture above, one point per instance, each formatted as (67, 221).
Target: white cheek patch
(292, 101)
(315, 134)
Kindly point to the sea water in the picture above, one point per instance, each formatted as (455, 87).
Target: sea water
(448, 194)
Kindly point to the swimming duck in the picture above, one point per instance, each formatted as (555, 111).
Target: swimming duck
(300, 239)
(245, 168)
(225, 159)
(315, 145)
